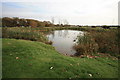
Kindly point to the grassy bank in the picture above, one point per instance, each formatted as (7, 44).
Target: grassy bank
(24, 33)
(29, 59)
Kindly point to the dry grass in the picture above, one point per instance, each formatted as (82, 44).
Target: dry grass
(24, 33)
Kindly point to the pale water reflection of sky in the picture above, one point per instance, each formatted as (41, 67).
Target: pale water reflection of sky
(64, 40)
(74, 11)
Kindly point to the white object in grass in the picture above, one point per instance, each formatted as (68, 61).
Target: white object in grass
(51, 67)
(90, 75)
(17, 57)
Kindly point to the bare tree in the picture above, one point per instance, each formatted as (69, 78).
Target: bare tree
(59, 22)
(52, 19)
(65, 22)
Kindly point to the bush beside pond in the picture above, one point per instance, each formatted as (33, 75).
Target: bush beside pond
(102, 42)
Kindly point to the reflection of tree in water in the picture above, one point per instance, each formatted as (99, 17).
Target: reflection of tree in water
(60, 33)
(69, 39)
(53, 34)
(65, 33)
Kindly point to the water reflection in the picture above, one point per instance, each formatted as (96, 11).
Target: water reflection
(64, 40)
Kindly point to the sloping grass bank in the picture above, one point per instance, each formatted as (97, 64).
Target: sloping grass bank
(23, 33)
(29, 59)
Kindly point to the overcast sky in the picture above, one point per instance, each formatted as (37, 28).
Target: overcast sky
(82, 12)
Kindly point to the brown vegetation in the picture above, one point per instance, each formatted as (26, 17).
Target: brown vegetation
(98, 42)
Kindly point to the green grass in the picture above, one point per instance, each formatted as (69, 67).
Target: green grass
(35, 60)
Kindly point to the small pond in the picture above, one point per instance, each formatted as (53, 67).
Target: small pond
(64, 40)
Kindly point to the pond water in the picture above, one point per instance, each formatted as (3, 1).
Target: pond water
(64, 40)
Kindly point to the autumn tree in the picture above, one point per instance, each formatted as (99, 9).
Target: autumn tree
(7, 22)
(23, 22)
(33, 23)
(15, 21)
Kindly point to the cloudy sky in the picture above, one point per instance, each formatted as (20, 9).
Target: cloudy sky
(82, 12)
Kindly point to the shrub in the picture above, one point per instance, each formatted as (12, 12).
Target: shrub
(86, 45)
(105, 41)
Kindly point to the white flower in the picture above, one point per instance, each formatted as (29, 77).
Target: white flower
(17, 57)
(51, 67)
(90, 75)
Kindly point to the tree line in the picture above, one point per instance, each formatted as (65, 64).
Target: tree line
(21, 22)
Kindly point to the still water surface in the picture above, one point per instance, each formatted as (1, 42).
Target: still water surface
(64, 40)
